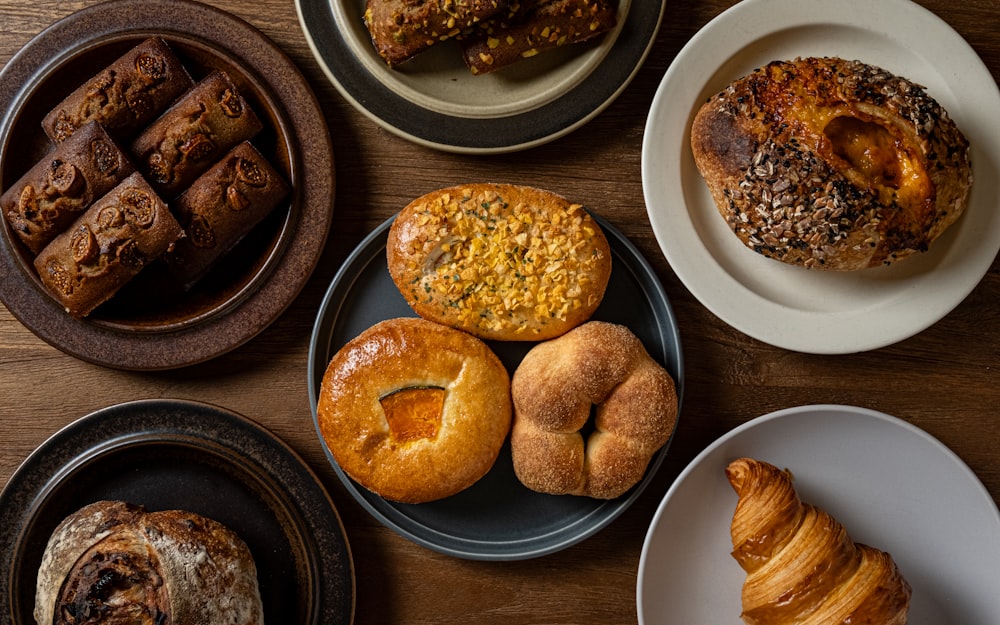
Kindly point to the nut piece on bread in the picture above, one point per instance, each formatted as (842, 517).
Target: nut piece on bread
(414, 411)
(500, 261)
(113, 562)
(832, 164)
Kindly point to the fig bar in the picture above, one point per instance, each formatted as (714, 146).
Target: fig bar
(550, 24)
(192, 134)
(125, 96)
(221, 207)
(107, 246)
(57, 189)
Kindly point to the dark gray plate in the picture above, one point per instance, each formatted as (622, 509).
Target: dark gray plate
(432, 102)
(497, 518)
(172, 454)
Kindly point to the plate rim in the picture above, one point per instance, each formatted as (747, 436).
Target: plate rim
(537, 545)
(19, 498)
(781, 325)
(791, 413)
(251, 315)
(476, 135)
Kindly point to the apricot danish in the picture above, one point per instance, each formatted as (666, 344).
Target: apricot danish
(554, 388)
(832, 164)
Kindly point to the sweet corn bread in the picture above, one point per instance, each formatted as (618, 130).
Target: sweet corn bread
(500, 261)
(832, 164)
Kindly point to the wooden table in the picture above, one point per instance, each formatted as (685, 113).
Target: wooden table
(945, 379)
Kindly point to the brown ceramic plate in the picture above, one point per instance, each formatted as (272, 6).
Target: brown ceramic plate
(182, 455)
(147, 325)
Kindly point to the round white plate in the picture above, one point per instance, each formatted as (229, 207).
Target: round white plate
(435, 101)
(889, 483)
(787, 306)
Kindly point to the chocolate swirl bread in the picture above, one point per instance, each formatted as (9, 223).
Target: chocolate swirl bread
(57, 189)
(125, 96)
(117, 564)
(832, 164)
(192, 134)
(107, 246)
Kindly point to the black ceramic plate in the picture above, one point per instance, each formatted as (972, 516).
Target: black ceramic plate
(434, 100)
(166, 454)
(497, 518)
(147, 326)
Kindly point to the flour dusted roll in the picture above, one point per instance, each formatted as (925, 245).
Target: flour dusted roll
(115, 563)
(501, 261)
(413, 410)
(832, 164)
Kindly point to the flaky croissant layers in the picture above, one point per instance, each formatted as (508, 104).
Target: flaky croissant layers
(802, 567)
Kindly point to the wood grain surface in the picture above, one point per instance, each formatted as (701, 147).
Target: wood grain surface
(945, 379)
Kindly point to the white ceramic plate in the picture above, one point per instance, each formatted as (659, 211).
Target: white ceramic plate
(889, 483)
(435, 101)
(786, 306)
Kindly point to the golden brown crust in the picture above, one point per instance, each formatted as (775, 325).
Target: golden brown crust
(552, 24)
(119, 235)
(115, 563)
(57, 189)
(125, 96)
(410, 353)
(553, 390)
(401, 29)
(831, 164)
(802, 566)
(500, 261)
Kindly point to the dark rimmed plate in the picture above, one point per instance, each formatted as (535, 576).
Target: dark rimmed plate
(435, 101)
(146, 327)
(173, 454)
(497, 518)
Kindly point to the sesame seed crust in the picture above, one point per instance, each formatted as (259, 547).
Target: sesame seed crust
(500, 261)
(832, 164)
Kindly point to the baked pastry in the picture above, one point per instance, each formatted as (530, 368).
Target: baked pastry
(832, 164)
(601, 365)
(501, 261)
(414, 411)
(401, 29)
(111, 562)
(57, 189)
(125, 96)
(801, 564)
(551, 24)
(220, 208)
(107, 246)
(191, 135)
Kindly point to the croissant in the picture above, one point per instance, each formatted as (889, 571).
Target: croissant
(801, 565)
(832, 164)
(115, 564)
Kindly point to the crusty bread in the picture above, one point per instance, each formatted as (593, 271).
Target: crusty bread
(832, 164)
(597, 364)
(125, 564)
(119, 235)
(413, 410)
(500, 261)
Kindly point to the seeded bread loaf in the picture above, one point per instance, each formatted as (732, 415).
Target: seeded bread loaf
(500, 261)
(220, 208)
(550, 24)
(401, 29)
(113, 563)
(107, 246)
(832, 164)
(57, 189)
(191, 135)
(125, 96)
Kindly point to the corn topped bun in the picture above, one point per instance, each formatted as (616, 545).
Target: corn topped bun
(500, 261)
